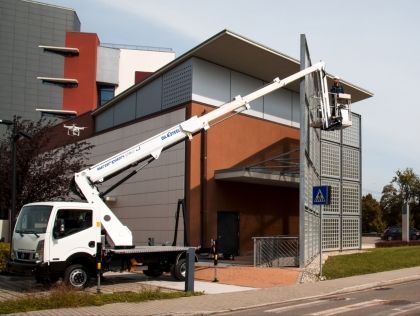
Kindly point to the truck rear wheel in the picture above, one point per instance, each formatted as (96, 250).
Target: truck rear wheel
(180, 270)
(76, 276)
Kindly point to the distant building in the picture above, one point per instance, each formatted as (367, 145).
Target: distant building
(47, 63)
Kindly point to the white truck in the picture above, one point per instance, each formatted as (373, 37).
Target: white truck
(75, 240)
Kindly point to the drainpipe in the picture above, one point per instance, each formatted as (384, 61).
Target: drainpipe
(203, 187)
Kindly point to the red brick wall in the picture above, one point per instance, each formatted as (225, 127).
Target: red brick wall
(239, 141)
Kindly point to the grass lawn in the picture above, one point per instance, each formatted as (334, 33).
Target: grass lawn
(375, 260)
(62, 297)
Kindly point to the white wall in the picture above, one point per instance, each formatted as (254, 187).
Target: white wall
(139, 60)
(215, 85)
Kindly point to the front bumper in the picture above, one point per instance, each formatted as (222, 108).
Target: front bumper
(26, 268)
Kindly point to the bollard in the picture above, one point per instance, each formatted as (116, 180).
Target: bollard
(215, 258)
(189, 274)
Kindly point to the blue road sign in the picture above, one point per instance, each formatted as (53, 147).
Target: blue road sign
(321, 195)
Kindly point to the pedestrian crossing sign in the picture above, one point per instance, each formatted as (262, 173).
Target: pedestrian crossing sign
(321, 195)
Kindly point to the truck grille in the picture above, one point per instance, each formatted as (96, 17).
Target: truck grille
(27, 256)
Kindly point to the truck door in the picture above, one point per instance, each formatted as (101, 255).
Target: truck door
(73, 232)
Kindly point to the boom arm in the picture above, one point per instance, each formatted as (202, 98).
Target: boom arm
(152, 148)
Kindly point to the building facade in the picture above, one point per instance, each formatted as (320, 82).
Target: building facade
(239, 179)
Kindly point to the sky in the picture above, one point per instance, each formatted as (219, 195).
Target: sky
(374, 44)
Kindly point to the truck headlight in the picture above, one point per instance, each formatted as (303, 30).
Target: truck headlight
(39, 252)
(12, 255)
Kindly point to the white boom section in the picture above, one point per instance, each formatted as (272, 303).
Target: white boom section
(152, 147)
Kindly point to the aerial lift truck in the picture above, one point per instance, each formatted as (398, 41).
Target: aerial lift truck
(72, 240)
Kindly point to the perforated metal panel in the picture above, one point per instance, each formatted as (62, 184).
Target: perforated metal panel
(351, 198)
(333, 136)
(330, 233)
(330, 160)
(342, 216)
(312, 233)
(351, 135)
(350, 232)
(351, 163)
(177, 85)
(334, 206)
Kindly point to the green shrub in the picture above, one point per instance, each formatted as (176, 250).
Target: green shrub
(4, 255)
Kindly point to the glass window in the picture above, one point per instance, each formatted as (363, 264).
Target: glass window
(69, 222)
(33, 219)
(105, 93)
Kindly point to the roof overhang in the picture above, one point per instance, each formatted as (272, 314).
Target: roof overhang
(240, 54)
(258, 177)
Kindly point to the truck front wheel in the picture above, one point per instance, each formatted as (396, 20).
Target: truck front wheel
(76, 276)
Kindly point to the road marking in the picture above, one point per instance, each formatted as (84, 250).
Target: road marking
(287, 308)
(348, 308)
(406, 309)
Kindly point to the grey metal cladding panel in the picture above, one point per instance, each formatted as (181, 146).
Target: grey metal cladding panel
(107, 65)
(243, 85)
(295, 107)
(149, 98)
(278, 105)
(125, 110)
(210, 83)
(104, 120)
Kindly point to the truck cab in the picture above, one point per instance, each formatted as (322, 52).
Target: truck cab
(47, 239)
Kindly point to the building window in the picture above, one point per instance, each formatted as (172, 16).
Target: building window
(105, 93)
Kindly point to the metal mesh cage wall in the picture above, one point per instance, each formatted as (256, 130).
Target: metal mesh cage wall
(341, 169)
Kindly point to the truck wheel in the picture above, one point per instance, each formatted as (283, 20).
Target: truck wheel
(180, 270)
(76, 276)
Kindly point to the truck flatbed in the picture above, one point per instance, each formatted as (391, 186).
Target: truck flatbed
(147, 249)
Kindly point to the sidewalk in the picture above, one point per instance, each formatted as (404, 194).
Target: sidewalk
(216, 303)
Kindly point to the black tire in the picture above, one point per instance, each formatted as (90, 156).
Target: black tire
(76, 276)
(180, 270)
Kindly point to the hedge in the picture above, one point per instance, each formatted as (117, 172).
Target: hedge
(4, 255)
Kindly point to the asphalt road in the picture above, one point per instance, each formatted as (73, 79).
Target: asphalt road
(400, 299)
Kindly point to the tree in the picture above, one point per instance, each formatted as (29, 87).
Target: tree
(43, 172)
(405, 186)
(371, 215)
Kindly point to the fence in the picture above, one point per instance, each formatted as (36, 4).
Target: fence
(278, 251)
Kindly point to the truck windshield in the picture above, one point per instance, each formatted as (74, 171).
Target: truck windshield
(33, 219)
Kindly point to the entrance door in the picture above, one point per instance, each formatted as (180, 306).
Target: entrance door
(228, 233)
